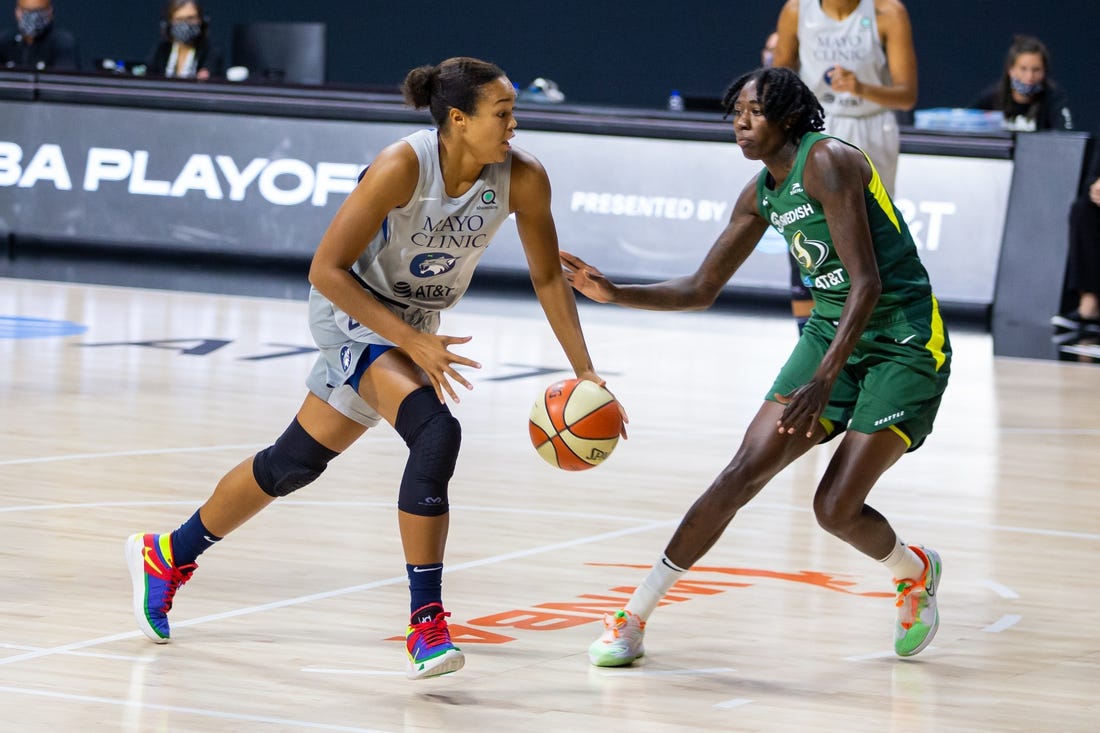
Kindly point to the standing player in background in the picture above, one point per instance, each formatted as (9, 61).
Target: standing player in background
(872, 362)
(857, 57)
(402, 247)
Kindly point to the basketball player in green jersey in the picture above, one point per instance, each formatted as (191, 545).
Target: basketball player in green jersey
(872, 362)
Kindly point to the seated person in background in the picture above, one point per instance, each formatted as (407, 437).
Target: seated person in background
(185, 51)
(1029, 98)
(35, 43)
(1083, 262)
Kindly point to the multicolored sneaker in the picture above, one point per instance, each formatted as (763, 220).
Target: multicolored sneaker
(156, 580)
(621, 642)
(918, 618)
(428, 642)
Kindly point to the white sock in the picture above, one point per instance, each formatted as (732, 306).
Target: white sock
(904, 563)
(662, 577)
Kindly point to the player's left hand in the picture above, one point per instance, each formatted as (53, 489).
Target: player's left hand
(844, 80)
(804, 406)
(593, 377)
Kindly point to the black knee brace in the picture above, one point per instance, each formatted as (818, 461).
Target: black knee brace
(295, 460)
(433, 436)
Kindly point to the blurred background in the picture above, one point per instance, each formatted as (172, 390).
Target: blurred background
(628, 53)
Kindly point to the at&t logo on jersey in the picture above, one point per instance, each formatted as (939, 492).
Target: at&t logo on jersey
(431, 264)
(809, 253)
(406, 291)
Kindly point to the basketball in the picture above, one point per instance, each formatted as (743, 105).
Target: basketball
(575, 424)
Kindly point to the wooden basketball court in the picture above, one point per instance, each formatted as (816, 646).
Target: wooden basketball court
(122, 407)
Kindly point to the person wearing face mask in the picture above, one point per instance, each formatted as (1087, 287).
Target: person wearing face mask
(35, 43)
(185, 52)
(1028, 97)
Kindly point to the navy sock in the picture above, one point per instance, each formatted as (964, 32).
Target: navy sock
(191, 540)
(425, 587)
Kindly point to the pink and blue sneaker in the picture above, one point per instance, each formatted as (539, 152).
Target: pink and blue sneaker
(156, 580)
(428, 642)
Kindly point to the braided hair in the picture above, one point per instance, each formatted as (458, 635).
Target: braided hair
(785, 98)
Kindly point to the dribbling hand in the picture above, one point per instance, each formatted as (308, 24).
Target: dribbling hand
(593, 377)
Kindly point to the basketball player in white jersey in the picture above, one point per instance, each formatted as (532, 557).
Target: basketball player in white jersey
(857, 57)
(401, 248)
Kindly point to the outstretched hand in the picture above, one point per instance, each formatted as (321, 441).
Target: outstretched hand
(585, 279)
(431, 353)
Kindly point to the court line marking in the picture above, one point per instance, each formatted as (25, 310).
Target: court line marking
(872, 655)
(666, 672)
(324, 595)
(94, 655)
(667, 430)
(202, 712)
(322, 503)
(1002, 590)
(734, 703)
(1004, 622)
(549, 512)
(129, 453)
(949, 521)
(324, 670)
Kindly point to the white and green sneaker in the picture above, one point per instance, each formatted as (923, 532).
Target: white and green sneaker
(918, 618)
(621, 641)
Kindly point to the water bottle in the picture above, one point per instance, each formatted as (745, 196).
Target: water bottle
(675, 101)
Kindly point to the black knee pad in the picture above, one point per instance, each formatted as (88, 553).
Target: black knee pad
(433, 436)
(294, 461)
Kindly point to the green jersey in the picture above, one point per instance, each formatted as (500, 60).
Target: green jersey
(801, 220)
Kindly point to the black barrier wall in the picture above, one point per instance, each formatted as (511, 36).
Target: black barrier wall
(619, 52)
(1033, 255)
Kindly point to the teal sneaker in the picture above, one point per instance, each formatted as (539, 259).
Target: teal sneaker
(918, 618)
(621, 641)
(428, 642)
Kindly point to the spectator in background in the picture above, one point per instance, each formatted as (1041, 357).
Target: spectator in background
(857, 57)
(1028, 97)
(185, 52)
(1083, 263)
(35, 43)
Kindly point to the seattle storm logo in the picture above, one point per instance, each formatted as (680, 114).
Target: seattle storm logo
(810, 253)
(431, 264)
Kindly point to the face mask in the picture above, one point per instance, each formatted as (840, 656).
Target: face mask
(1028, 90)
(33, 23)
(186, 33)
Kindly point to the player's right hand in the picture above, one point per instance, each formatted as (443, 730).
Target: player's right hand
(586, 279)
(430, 352)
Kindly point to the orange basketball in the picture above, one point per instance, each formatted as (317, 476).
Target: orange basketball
(575, 424)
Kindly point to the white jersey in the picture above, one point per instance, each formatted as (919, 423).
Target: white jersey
(425, 253)
(853, 43)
